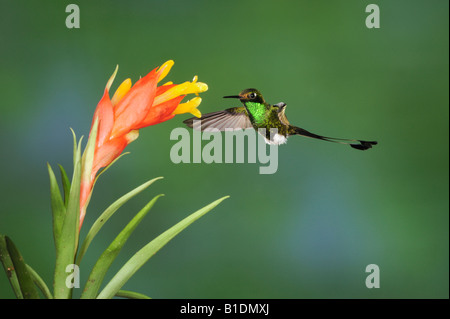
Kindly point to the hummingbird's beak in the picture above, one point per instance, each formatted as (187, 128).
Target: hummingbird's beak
(232, 97)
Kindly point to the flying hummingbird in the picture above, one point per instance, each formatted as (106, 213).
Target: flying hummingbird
(258, 114)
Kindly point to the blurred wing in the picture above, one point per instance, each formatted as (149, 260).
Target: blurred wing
(234, 118)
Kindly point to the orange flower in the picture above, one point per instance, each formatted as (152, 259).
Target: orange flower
(132, 108)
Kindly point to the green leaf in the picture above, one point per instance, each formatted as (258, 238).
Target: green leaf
(39, 282)
(98, 224)
(65, 183)
(8, 265)
(100, 173)
(68, 241)
(87, 160)
(58, 208)
(131, 295)
(78, 155)
(88, 154)
(23, 275)
(74, 146)
(145, 253)
(109, 255)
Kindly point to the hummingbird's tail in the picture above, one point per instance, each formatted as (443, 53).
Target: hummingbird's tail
(360, 145)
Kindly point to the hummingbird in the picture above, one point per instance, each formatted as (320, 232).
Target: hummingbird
(256, 113)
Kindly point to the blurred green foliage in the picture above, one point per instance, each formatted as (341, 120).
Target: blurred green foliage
(307, 231)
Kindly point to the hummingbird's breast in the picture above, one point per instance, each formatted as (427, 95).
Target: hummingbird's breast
(256, 113)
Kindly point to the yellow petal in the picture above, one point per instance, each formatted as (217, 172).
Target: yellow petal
(121, 91)
(200, 87)
(189, 107)
(181, 89)
(165, 68)
(196, 113)
(171, 93)
(168, 83)
(111, 79)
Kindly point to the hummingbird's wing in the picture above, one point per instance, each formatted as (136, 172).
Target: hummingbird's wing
(234, 118)
(281, 113)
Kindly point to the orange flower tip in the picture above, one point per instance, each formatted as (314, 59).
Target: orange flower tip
(132, 135)
(111, 79)
(121, 91)
(165, 69)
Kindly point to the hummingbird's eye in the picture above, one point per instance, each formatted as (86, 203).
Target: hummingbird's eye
(252, 95)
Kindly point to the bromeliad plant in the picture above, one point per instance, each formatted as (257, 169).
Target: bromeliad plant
(115, 124)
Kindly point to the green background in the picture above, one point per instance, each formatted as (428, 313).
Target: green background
(308, 231)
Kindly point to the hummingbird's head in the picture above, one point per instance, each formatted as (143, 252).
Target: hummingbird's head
(248, 95)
